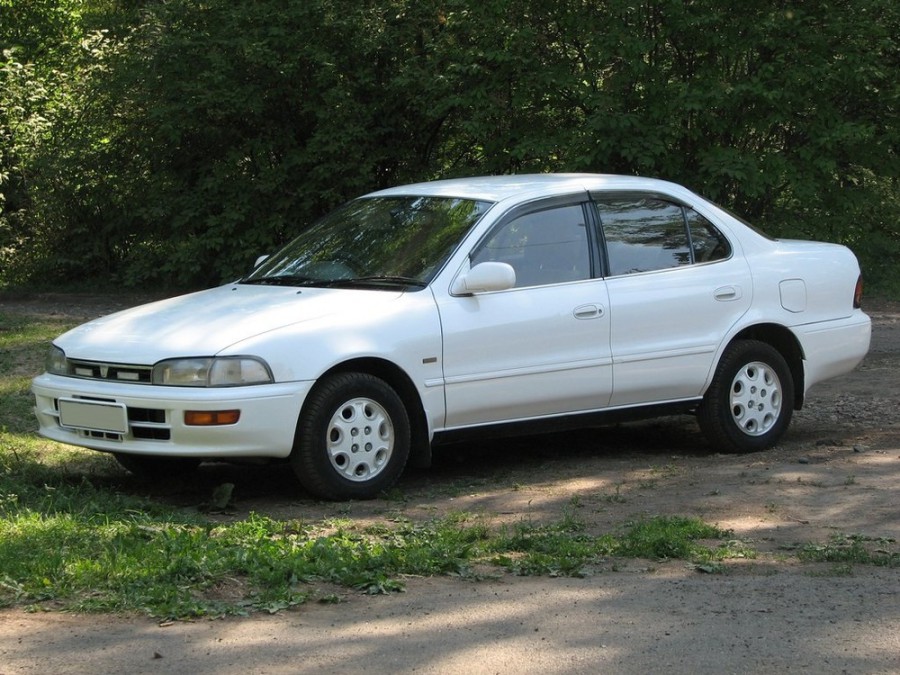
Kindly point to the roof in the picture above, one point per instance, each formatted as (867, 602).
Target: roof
(498, 188)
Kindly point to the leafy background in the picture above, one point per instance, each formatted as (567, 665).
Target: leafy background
(168, 144)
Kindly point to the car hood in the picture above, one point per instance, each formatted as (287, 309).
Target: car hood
(206, 323)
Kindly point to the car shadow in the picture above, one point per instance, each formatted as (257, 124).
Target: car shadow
(514, 459)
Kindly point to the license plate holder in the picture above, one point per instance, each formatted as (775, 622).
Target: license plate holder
(104, 416)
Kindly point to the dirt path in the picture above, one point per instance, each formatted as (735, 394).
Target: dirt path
(837, 474)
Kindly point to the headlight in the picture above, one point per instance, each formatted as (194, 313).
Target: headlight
(56, 361)
(227, 371)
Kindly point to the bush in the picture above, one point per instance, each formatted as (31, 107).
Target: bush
(171, 144)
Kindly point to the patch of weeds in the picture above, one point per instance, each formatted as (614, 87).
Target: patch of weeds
(615, 498)
(564, 549)
(853, 549)
(380, 585)
(555, 550)
(570, 522)
(667, 537)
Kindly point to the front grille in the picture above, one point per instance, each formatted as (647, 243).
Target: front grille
(112, 372)
(151, 433)
(149, 424)
(104, 435)
(153, 415)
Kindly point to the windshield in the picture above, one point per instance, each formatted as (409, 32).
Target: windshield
(375, 241)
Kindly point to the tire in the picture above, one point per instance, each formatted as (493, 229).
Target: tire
(750, 402)
(352, 439)
(151, 467)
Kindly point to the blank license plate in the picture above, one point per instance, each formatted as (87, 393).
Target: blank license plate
(93, 415)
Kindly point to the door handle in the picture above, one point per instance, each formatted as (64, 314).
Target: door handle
(588, 312)
(727, 293)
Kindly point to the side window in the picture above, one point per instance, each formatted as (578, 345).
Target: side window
(544, 247)
(643, 235)
(708, 243)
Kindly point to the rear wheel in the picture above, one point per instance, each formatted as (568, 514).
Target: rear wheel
(750, 402)
(353, 438)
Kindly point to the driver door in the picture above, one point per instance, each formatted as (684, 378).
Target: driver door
(541, 348)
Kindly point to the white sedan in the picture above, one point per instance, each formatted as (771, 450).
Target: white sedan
(421, 313)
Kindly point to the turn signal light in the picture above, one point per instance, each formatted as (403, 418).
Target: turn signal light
(211, 418)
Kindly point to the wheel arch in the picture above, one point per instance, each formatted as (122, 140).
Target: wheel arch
(788, 346)
(399, 381)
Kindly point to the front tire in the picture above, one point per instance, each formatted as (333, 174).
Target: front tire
(353, 438)
(750, 402)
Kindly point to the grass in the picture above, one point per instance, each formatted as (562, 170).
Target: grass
(848, 550)
(71, 542)
(75, 536)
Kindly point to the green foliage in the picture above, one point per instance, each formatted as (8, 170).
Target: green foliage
(77, 540)
(668, 537)
(171, 143)
(565, 549)
(854, 549)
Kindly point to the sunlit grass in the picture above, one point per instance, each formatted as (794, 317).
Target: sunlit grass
(69, 539)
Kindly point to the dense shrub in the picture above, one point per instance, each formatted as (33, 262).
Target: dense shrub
(171, 143)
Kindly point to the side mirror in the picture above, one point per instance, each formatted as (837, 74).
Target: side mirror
(260, 260)
(484, 278)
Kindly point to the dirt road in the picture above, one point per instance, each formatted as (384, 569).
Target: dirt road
(837, 474)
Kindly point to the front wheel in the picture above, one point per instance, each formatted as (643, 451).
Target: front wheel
(353, 438)
(750, 402)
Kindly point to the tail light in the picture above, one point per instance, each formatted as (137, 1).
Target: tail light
(857, 294)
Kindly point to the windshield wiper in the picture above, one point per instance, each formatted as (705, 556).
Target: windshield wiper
(282, 280)
(386, 279)
(374, 280)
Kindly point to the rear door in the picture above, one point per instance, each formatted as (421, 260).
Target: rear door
(676, 286)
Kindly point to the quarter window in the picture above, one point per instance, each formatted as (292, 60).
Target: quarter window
(648, 234)
(707, 242)
(643, 235)
(544, 247)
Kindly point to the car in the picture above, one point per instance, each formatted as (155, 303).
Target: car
(433, 312)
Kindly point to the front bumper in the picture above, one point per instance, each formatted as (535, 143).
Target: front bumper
(155, 418)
